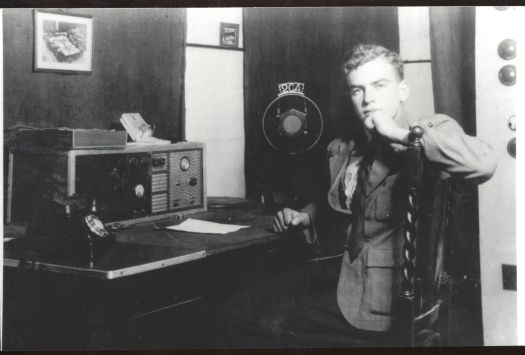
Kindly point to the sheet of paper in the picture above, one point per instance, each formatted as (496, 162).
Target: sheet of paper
(200, 226)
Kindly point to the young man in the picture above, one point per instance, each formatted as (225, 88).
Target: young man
(328, 304)
(366, 184)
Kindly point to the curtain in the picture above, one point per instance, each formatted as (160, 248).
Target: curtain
(452, 42)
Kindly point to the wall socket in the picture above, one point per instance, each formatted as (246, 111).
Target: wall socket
(508, 273)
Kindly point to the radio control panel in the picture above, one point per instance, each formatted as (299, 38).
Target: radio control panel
(130, 185)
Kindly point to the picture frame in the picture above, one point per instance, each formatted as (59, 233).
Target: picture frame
(63, 42)
(229, 35)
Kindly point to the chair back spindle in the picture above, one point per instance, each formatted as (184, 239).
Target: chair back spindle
(422, 302)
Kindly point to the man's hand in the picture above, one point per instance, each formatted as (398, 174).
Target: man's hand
(290, 218)
(386, 126)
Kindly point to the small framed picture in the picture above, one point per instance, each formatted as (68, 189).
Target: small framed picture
(63, 42)
(229, 35)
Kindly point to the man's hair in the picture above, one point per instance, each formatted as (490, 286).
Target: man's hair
(364, 53)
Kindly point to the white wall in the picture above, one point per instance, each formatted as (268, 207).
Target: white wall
(497, 198)
(414, 48)
(214, 99)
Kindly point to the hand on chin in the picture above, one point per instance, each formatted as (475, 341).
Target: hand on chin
(378, 121)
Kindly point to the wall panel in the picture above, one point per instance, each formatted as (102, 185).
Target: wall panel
(214, 99)
(497, 197)
(138, 64)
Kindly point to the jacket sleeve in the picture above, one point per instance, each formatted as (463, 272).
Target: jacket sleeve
(310, 233)
(455, 152)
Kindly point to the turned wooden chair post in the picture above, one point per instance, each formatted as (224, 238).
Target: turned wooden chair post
(423, 298)
(407, 298)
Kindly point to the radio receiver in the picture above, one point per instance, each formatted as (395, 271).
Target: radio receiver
(130, 185)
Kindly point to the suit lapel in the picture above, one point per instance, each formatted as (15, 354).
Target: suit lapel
(378, 173)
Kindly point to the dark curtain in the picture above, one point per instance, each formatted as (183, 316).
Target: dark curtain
(302, 45)
(452, 33)
(452, 42)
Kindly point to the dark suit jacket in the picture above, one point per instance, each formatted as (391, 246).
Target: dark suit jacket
(370, 280)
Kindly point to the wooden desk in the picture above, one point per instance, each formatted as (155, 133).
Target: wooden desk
(148, 246)
(149, 279)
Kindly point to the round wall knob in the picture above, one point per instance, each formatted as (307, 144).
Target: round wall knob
(511, 147)
(512, 123)
(507, 49)
(507, 75)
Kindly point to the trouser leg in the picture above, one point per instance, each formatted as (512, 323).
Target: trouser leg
(296, 308)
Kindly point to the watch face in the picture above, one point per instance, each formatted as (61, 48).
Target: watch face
(184, 163)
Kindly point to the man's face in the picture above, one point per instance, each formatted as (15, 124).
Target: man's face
(375, 86)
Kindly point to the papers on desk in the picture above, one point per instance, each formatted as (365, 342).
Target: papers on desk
(199, 226)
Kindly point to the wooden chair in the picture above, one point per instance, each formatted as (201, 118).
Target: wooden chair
(422, 303)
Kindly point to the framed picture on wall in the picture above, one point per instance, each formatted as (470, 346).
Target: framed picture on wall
(229, 35)
(63, 42)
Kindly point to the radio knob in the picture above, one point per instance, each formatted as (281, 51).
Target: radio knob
(184, 163)
(157, 162)
(193, 181)
(139, 190)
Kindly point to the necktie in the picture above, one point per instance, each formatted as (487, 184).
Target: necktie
(356, 240)
(362, 176)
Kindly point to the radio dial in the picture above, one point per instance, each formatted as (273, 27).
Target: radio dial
(184, 163)
(139, 190)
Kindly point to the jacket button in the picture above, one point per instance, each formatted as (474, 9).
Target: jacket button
(430, 124)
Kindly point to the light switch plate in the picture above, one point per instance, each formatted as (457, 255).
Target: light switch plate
(508, 273)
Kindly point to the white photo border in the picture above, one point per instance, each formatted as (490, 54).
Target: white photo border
(40, 64)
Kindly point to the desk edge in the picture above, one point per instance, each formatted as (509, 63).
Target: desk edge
(105, 274)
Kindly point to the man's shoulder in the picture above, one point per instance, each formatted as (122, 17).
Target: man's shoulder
(433, 120)
(339, 146)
